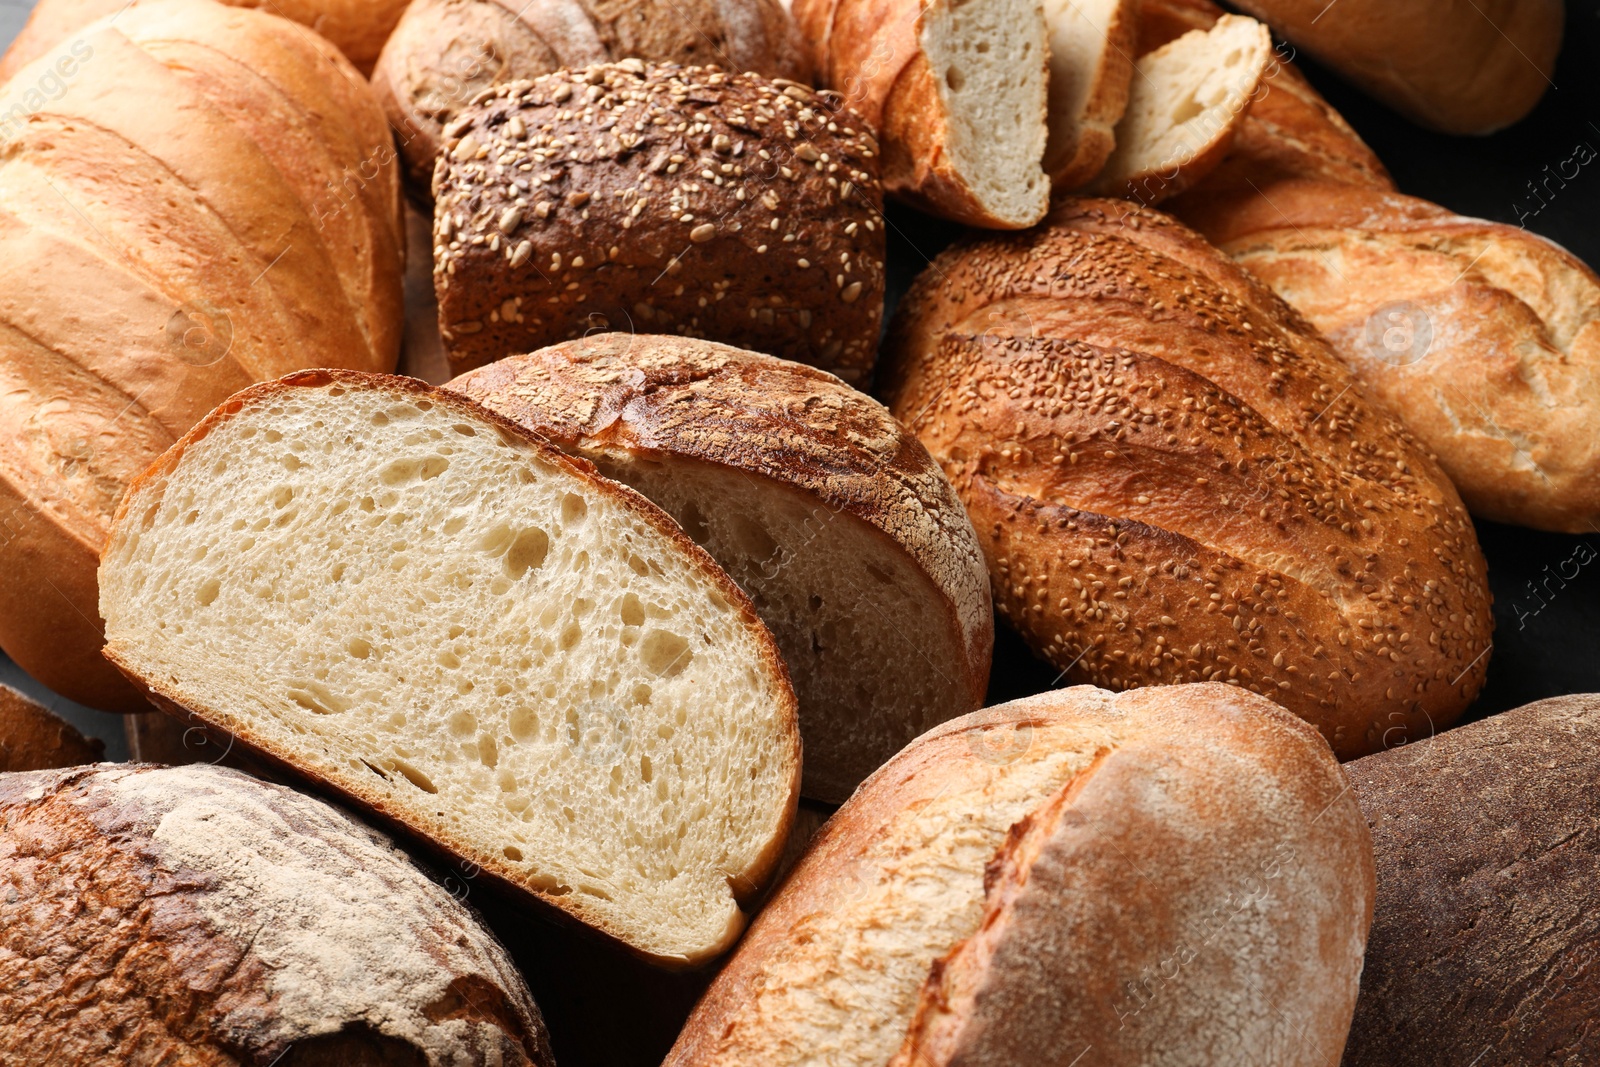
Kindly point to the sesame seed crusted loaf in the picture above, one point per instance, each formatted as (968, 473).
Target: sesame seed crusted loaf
(1175, 877)
(445, 52)
(32, 737)
(828, 512)
(1175, 479)
(194, 915)
(681, 200)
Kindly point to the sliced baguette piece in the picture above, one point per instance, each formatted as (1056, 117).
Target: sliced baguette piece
(1174, 876)
(1091, 64)
(828, 512)
(1188, 100)
(417, 606)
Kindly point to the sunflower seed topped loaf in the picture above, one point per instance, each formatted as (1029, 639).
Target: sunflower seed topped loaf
(1176, 480)
(195, 915)
(828, 512)
(662, 199)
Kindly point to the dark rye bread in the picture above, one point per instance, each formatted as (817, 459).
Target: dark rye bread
(1485, 946)
(33, 738)
(197, 916)
(1175, 479)
(660, 199)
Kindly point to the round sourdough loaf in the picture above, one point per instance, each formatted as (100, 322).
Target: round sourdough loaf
(1175, 480)
(445, 52)
(174, 226)
(1486, 934)
(34, 738)
(1175, 877)
(196, 915)
(681, 200)
(828, 512)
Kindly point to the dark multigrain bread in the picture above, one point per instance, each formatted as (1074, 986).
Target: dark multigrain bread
(32, 737)
(1485, 946)
(660, 199)
(1175, 480)
(194, 915)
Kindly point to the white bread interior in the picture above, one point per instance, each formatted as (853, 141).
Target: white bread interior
(385, 587)
(988, 58)
(1187, 100)
(1090, 68)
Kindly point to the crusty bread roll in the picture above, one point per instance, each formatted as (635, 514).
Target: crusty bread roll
(1091, 64)
(665, 200)
(357, 28)
(194, 915)
(1485, 338)
(1460, 66)
(1176, 876)
(455, 626)
(445, 52)
(1487, 841)
(1175, 480)
(827, 511)
(34, 738)
(958, 92)
(176, 224)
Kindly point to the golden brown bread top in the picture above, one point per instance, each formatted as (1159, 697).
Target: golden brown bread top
(1175, 480)
(33, 738)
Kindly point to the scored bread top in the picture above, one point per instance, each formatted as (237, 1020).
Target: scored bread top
(740, 409)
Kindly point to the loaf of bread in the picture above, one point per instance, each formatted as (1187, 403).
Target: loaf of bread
(182, 220)
(1460, 66)
(34, 738)
(1175, 480)
(1484, 337)
(458, 628)
(680, 200)
(195, 915)
(1487, 842)
(827, 511)
(445, 52)
(357, 28)
(958, 92)
(1173, 876)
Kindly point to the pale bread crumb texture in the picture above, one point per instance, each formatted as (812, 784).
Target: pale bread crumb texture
(1091, 66)
(391, 592)
(1187, 99)
(988, 59)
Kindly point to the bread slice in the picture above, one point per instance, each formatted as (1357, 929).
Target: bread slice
(1188, 99)
(413, 603)
(828, 512)
(1176, 875)
(1091, 64)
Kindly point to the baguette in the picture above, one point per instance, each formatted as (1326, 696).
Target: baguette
(220, 254)
(1091, 65)
(194, 915)
(459, 629)
(666, 199)
(1176, 876)
(34, 738)
(822, 507)
(1487, 842)
(1175, 480)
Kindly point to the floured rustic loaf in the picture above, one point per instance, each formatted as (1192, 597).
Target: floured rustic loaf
(1176, 876)
(33, 738)
(827, 511)
(195, 915)
(464, 631)
(682, 200)
(1175, 479)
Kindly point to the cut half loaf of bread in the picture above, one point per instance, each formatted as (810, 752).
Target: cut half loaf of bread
(828, 512)
(414, 604)
(1091, 63)
(1188, 100)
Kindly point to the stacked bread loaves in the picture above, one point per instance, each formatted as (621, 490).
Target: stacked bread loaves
(1175, 480)
(175, 225)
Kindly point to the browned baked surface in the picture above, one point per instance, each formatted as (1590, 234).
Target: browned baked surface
(195, 915)
(1191, 884)
(33, 738)
(1485, 938)
(661, 199)
(192, 182)
(445, 52)
(1175, 480)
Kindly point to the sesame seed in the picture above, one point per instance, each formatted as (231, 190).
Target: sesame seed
(702, 233)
